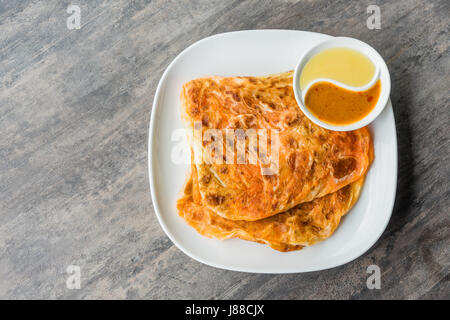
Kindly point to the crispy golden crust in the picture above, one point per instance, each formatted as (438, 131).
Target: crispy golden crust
(313, 161)
(303, 225)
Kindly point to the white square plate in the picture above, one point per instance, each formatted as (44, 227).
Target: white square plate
(259, 53)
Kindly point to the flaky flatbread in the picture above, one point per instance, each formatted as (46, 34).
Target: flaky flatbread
(311, 163)
(303, 225)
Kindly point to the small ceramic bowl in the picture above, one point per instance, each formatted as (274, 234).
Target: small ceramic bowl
(381, 73)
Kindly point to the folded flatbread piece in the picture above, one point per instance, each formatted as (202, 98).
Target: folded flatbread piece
(303, 225)
(311, 161)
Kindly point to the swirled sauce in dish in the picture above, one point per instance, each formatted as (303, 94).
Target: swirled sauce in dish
(330, 102)
(340, 106)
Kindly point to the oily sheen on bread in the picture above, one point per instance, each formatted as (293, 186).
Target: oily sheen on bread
(312, 162)
(303, 225)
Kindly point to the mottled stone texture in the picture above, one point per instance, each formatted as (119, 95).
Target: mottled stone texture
(74, 113)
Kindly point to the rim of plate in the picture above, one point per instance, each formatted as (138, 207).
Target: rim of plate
(151, 141)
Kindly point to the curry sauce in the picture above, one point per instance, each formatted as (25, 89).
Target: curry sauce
(339, 106)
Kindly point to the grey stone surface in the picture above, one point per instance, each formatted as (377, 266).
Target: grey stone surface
(74, 113)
